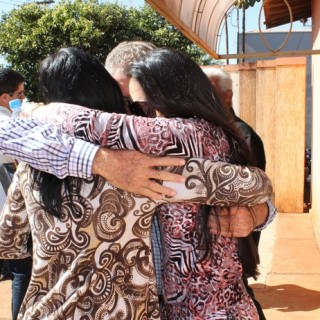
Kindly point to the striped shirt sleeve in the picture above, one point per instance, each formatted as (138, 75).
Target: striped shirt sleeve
(272, 212)
(46, 148)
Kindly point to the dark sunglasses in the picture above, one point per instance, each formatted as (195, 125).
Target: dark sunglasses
(141, 108)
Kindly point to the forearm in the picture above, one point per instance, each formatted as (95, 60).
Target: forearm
(221, 184)
(46, 148)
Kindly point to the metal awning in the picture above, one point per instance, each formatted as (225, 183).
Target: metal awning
(277, 13)
(200, 21)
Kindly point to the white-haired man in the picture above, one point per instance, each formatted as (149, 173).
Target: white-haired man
(222, 82)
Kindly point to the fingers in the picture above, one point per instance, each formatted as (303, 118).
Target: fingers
(260, 212)
(167, 176)
(159, 190)
(155, 190)
(227, 226)
(150, 194)
(166, 162)
(223, 226)
(134, 171)
(234, 222)
(243, 222)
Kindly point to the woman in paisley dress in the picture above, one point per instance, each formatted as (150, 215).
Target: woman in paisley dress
(91, 246)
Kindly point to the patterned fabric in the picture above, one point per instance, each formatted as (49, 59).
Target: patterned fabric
(96, 263)
(5, 114)
(96, 127)
(212, 288)
(157, 252)
(46, 148)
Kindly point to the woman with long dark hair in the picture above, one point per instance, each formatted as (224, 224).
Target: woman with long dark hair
(199, 279)
(70, 75)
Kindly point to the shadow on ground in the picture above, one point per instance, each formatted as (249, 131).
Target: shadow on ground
(287, 297)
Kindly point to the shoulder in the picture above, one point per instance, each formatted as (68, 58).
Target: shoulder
(5, 113)
(246, 129)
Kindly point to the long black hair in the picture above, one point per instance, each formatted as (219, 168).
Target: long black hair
(73, 76)
(176, 86)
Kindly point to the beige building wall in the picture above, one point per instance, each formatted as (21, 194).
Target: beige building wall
(290, 133)
(315, 178)
(271, 98)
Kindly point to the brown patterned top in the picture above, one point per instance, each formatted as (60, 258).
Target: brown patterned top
(99, 265)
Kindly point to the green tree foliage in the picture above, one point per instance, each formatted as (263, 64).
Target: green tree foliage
(158, 31)
(28, 34)
(245, 4)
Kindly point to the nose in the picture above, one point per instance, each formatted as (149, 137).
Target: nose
(22, 96)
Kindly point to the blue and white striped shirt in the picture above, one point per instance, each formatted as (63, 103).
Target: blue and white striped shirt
(46, 148)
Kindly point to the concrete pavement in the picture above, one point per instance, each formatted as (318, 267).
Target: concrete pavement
(288, 287)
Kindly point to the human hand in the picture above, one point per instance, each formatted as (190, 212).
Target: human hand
(134, 171)
(240, 221)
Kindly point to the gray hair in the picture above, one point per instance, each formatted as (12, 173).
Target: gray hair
(124, 54)
(219, 76)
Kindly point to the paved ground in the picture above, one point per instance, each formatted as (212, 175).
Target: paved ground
(289, 285)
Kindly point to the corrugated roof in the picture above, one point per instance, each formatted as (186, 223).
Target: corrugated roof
(277, 13)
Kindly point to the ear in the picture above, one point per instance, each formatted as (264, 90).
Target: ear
(3, 96)
(228, 97)
(4, 100)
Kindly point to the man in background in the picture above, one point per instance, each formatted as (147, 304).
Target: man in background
(118, 63)
(11, 88)
(222, 82)
(119, 60)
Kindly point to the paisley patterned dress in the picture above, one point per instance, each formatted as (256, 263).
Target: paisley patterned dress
(211, 289)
